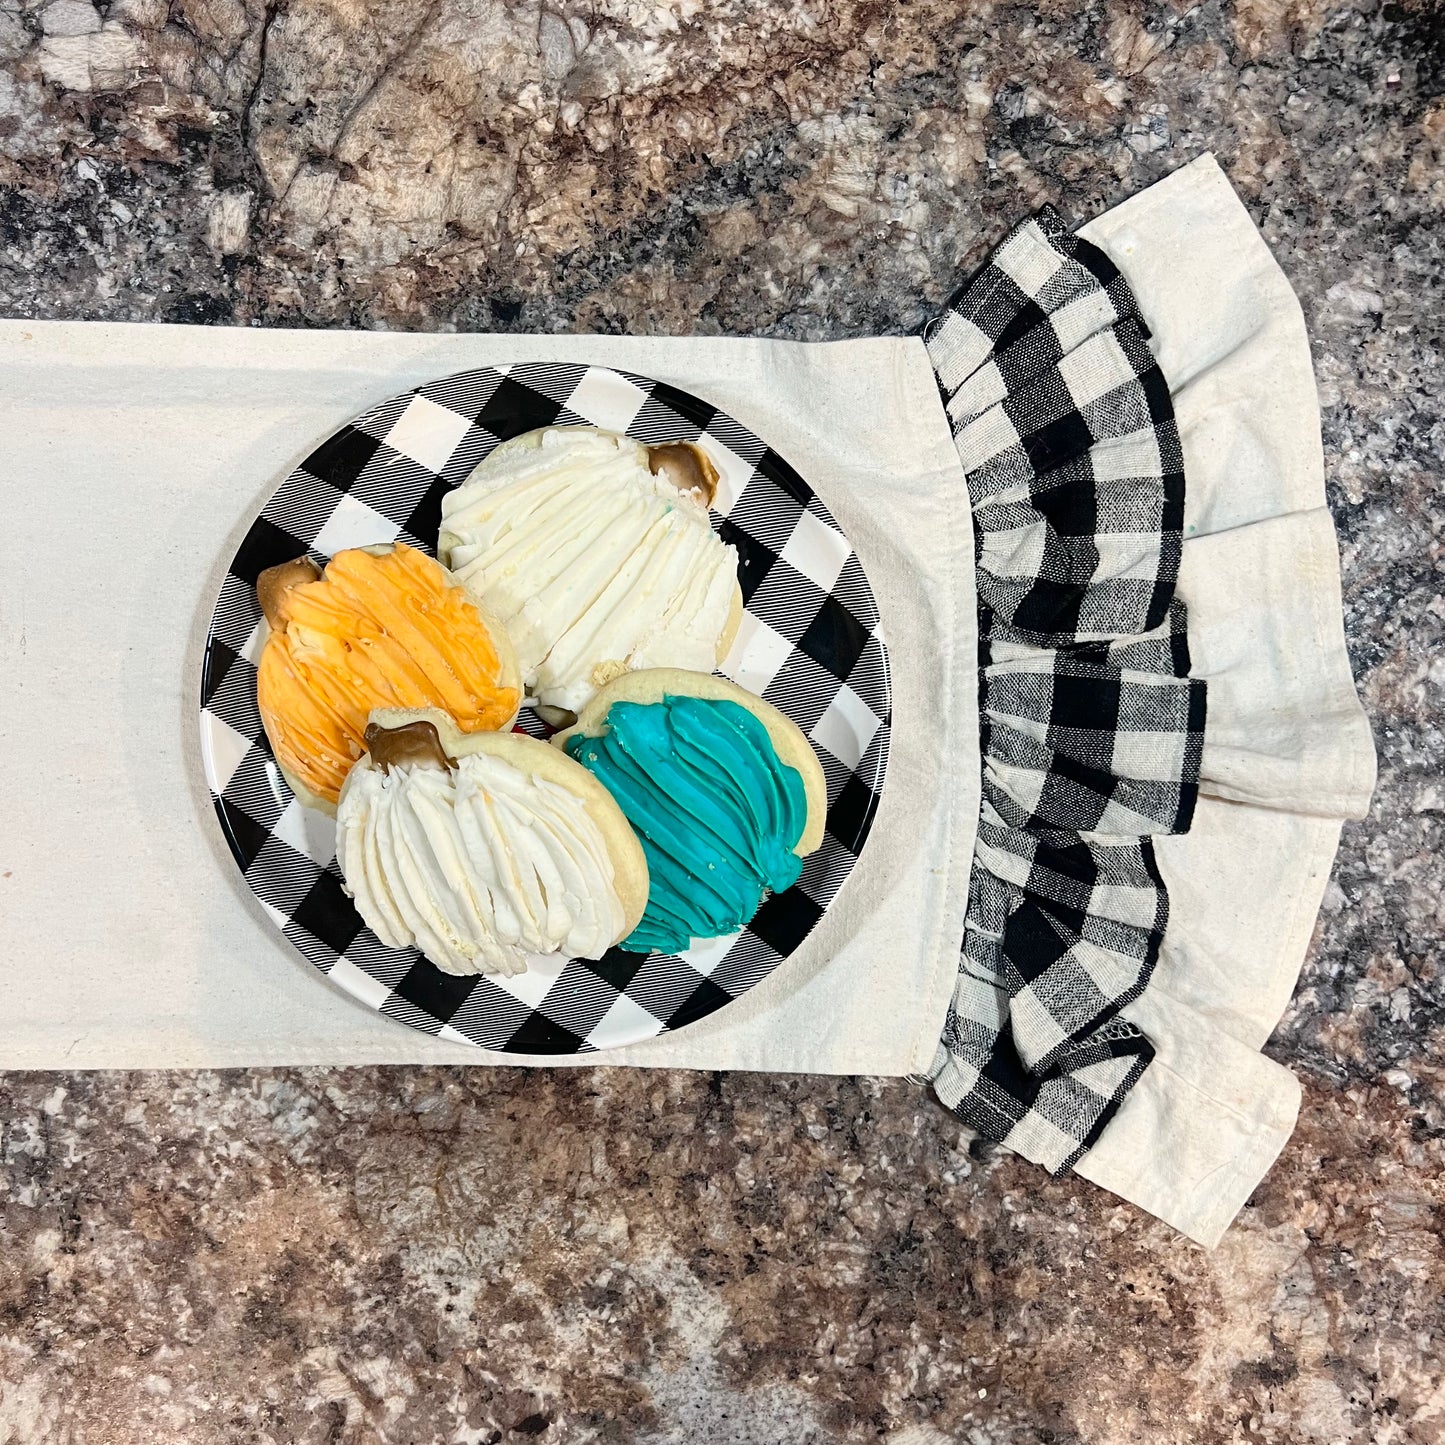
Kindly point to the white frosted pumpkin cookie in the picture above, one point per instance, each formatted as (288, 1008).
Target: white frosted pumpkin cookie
(484, 849)
(597, 555)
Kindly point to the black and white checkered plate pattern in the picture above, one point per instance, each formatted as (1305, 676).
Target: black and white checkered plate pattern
(809, 643)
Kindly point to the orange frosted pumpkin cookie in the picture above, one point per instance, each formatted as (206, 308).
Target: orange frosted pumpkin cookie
(382, 627)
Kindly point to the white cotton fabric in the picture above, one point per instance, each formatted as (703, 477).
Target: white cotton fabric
(1287, 750)
(128, 939)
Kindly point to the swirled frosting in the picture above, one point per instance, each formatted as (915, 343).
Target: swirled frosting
(479, 865)
(594, 565)
(373, 632)
(717, 811)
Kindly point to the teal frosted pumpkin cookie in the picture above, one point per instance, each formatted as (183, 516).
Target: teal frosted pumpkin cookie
(725, 794)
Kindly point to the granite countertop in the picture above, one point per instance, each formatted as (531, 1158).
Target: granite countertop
(428, 1255)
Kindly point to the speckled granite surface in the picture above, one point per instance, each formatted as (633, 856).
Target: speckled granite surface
(436, 1255)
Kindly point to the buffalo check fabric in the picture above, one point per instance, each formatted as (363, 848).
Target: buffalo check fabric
(809, 643)
(1091, 728)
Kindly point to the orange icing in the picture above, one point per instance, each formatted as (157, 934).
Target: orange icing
(386, 631)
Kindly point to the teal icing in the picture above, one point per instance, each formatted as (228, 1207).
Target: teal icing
(718, 813)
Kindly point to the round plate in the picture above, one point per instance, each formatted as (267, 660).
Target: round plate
(809, 643)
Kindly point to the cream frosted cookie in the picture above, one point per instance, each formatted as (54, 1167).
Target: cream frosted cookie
(484, 849)
(597, 555)
(382, 627)
(725, 794)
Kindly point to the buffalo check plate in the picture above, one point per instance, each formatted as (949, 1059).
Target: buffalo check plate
(809, 643)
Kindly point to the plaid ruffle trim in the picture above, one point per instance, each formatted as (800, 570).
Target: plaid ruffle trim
(1091, 727)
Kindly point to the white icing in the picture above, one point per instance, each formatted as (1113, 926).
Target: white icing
(591, 563)
(479, 867)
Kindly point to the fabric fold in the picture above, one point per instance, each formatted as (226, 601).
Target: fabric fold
(1075, 733)
(1077, 482)
(1047, 291)
(1147, 871)
(1091, 727)
(1287, 750)
(1287, 731)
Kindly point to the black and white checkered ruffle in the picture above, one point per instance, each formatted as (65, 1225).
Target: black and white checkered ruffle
(1091, 727)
